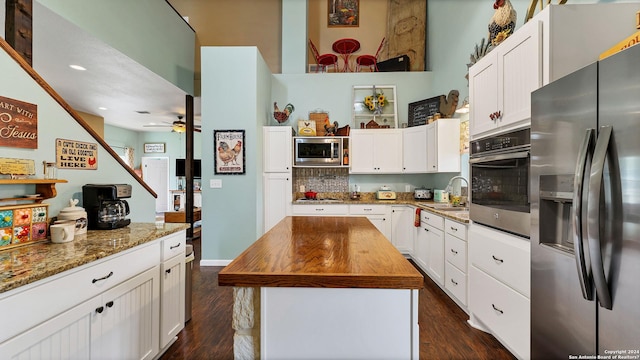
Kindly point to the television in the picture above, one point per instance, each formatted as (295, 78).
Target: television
(181, 171)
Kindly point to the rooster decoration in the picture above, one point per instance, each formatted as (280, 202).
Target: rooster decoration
(282, 116)
(503, 21)
(449, 104)
(229, 155)
(330, 129)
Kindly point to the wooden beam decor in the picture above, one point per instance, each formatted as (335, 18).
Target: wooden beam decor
(407, 32)
(19, 27)
(18, 124)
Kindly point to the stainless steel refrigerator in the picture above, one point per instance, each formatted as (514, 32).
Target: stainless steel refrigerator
(585, 212)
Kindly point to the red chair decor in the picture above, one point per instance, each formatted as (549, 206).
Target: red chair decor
(324, 60)
(369, 60)
(345, 47)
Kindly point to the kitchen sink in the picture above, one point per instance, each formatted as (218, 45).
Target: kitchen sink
(306, 201)
(446, 207)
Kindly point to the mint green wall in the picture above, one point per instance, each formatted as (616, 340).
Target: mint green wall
(54, 122)
(235, 96)
(148, 31)
(119, 138)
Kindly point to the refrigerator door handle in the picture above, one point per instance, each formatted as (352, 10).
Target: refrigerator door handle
(584, 274)
(593, 217)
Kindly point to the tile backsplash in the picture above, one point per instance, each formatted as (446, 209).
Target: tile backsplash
(321, 179)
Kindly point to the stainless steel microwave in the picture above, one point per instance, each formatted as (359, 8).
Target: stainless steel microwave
(317, 151)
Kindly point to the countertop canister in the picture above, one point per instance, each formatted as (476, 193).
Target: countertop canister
(76, 213)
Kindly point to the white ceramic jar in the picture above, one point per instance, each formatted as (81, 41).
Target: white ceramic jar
(76, 213)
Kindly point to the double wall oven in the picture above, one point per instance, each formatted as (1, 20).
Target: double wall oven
(499, 172)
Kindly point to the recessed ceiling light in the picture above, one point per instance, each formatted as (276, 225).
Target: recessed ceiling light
(143, 112)
(102, 108)
(77, 67)
(152, 123)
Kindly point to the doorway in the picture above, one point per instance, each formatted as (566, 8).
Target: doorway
(155, 172)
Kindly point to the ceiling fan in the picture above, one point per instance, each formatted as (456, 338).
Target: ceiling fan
(178, 126)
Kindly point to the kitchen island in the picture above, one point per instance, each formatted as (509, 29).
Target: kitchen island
(324, 287)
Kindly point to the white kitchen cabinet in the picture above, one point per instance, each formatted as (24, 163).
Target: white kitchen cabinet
(277, 197)
(321, 210)
(443, 145)
(455, 253)
(121, 323)
(277, 149)
(402, 228)
(414, 150)
(379, 215)
(277, 178)
(377, 151)
(172, 296)
(499, 286)
(557, 41)
(435, 262)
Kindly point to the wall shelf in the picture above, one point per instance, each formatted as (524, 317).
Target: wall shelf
(45, 187)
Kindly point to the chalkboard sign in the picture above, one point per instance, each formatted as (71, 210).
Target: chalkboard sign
(419, 111)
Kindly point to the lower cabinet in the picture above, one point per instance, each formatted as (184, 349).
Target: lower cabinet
(117, 324)
(402, 228)
(126, 306)
(277, 198)
(499, 287)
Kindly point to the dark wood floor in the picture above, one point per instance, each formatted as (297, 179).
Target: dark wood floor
(444, 332)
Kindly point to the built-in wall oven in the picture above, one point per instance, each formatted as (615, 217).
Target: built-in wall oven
(499, 172)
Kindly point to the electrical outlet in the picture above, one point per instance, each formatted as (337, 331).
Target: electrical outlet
(215, 183)
(302, 188)
(407, 188)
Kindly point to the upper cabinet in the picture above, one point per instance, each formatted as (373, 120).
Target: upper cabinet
(414, 144)
(277, 149)
(556, 42)
(432, 148)
(500, 84)
(376, 151)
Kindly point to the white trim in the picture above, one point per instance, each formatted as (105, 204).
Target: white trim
(215, 262)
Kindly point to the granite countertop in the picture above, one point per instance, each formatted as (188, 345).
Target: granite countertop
(322, 251)
(459, 214)
(23, 265)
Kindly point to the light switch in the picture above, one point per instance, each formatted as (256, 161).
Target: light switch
(215, 183)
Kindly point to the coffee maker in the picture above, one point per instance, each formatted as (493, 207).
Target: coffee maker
(104, 205)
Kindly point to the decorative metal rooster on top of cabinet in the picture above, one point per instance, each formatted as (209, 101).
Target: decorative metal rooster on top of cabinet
(503, 21)
(449, 104)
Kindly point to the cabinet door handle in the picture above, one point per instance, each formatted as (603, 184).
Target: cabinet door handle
(174, 246)
(497, 259)
(100, 309)
(496, 309)
(454, 282)
(367, 209)
(454, 252)
(319, 209)
(168, 271)
(102, 278)
(109, 304)
(454, 229)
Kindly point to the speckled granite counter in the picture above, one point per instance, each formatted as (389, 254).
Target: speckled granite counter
(370, 198)
(30, 263)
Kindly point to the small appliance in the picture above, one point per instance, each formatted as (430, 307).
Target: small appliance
(104, 205)
(440, 196)
(422, 194)
(317, 151)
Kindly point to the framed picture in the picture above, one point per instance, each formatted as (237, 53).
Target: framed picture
(154, 148)
(343, 13)
(229, 152)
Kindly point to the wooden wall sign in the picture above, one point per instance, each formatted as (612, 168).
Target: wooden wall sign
(71, 154)
(18, 124)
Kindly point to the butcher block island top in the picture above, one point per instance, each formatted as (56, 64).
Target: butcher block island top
(325, 252)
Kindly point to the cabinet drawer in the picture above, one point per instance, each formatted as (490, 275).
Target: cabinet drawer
(455, 251)
(321, 209)
(456, 229)
(456, 282)
(503, 256)
(364, 209)
(432, 219)
(174, 244)
(25, 308)
(504, 311)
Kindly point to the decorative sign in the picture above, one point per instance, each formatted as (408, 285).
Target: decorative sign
(17, 166)
(419, 111)
(71, 154)
(154, 148)
(229, 152)
(18, 124)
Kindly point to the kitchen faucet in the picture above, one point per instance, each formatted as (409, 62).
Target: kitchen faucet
(449, 187)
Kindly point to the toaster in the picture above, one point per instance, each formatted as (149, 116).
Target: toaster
(422, 194)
